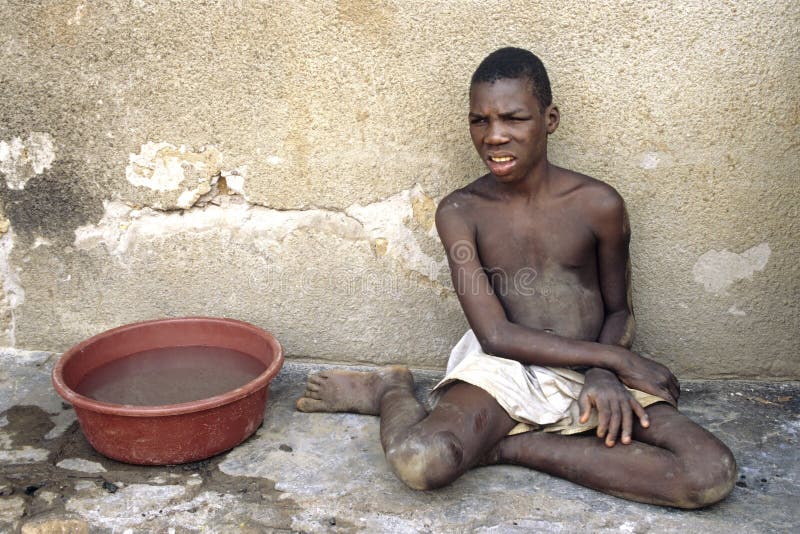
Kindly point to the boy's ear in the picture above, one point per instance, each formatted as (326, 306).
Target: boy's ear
(552, 116)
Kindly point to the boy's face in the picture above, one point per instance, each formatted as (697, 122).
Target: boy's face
(508, 127)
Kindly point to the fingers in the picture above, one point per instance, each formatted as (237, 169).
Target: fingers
(627, 423)
(586, 407)
(613, 425)
(640, 412)
(603, 416)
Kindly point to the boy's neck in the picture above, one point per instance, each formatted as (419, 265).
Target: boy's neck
(531, 186)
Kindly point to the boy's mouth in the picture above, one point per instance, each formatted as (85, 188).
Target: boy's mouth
(500, 165)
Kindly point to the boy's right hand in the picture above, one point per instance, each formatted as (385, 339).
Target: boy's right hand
(644, 374)
(616, 407)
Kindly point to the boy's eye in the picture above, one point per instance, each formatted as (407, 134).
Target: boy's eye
(477, 120)
(516, 118)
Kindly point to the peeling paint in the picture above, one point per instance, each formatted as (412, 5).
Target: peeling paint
(388, 220)
(160, 166)
(234, 180)
(180, 177)
(718, 270)
(387, 225)
(13, 292)
(163, 167)
(189, 197)
(22, 160)
(123, 225)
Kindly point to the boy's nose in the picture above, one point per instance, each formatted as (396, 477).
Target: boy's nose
(496, 135)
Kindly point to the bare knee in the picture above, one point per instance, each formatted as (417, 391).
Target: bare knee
(708, 478)
(425, 463)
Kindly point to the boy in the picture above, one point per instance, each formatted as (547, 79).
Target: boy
(539, 259)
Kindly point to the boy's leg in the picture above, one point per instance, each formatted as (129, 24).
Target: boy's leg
(426, 451)
(674, 462)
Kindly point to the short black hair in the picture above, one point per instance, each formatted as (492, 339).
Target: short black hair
(515, 63)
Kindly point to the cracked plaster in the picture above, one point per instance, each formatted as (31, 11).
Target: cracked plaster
(21, 160)
(179, 175)
(388, 225)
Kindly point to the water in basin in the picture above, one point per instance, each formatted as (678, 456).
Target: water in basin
(170, 376)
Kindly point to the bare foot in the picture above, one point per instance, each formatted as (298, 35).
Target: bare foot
(338, 390)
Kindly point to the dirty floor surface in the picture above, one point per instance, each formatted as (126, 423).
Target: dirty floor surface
(326, 473)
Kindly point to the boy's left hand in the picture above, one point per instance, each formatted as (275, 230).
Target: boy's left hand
(614, 403)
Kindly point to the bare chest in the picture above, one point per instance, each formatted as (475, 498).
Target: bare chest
(543, 268)
(519, 239)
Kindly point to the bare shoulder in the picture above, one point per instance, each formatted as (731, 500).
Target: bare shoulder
(599, 201)
(459, 205)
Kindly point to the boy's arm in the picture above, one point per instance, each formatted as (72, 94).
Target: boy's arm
(602, 390)
(609, 221)
(615, 406)
(486, 315)
(613, 233)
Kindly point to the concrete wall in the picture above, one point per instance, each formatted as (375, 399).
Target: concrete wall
(280, 162)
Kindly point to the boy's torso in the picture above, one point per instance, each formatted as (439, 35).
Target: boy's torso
(540, 255)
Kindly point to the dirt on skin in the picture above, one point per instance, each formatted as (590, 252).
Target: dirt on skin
(27, 426)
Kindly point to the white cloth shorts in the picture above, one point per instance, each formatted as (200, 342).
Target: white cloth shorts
(539, 398)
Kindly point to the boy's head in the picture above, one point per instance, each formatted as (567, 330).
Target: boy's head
(515, 63)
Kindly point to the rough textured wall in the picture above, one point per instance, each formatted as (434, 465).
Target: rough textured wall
(279, 162)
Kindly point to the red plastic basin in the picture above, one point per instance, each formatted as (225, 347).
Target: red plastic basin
(175, 433)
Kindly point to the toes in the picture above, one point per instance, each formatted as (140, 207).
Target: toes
(312, 394)
(317, 379)
(305, 404)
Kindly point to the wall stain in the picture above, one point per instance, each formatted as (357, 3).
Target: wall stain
(52, 205)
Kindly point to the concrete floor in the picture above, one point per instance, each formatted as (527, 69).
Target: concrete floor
(326, 473)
